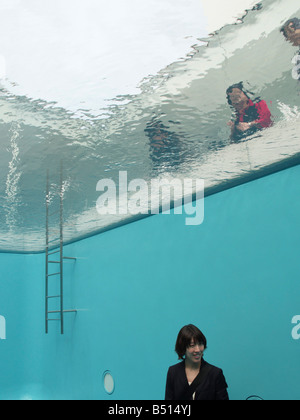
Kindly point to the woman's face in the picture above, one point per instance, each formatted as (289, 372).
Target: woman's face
(194, 352)
(238, 99)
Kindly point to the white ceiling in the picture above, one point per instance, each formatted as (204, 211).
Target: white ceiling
(80, 54)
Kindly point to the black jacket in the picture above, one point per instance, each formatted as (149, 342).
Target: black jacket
(297, 67)
(213, 387)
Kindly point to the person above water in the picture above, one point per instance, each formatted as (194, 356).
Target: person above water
(291, 32)
(193, 378)
(251, 116)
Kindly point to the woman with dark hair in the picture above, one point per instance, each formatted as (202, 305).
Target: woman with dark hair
(291, 31)
(193, 378)
(250, 116)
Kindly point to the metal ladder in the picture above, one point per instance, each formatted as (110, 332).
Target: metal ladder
(58, 250)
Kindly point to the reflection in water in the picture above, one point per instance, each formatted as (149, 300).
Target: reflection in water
(12, 189)
(166, 147)
(176, 127)
(291, 31)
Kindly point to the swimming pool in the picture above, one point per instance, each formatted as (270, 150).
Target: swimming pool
(134, 286)
(131, 289)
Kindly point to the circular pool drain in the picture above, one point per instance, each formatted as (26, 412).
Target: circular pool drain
(108, 382)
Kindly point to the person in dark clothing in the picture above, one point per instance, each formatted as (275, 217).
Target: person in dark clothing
(194, 378)
(165, 146)
(251, 116)
(291, 32)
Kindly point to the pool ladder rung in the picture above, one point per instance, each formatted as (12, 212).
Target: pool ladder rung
(55, 252)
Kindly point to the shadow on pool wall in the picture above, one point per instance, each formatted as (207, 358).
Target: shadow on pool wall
(236, 277)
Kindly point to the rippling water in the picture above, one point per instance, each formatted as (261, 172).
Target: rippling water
(185, 104)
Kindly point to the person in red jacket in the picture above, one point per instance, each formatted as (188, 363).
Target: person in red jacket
(251, 116)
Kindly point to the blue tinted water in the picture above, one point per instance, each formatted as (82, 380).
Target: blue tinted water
(235, 276)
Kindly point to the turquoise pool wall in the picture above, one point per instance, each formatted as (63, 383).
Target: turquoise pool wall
(236, 276)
